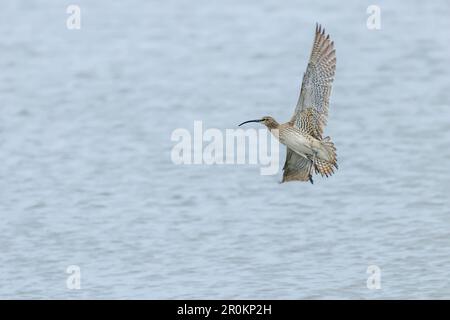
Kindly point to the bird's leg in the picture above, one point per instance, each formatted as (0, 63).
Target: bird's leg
(313, 167)
(311, 171)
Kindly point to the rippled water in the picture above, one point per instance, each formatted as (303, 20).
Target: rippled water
(86, 176)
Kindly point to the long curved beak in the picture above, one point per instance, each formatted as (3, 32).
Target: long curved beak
(249, 121)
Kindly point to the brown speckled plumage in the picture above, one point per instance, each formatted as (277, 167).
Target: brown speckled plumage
(307, 150)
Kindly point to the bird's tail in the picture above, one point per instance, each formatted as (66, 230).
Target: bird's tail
(326, 167)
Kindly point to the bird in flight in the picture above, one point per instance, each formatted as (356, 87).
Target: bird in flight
(307, 151)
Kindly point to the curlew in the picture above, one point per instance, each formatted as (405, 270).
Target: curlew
(307, 151)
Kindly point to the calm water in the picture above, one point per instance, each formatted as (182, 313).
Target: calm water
(86, 176)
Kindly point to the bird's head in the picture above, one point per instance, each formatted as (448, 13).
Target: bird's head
(268, 121)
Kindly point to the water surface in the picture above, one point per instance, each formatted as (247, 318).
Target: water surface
(86, 176)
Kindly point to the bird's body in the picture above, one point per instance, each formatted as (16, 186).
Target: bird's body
(314, 153)
(307, 150)
(295, 139)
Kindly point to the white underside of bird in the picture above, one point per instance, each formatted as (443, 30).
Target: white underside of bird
(304, 145)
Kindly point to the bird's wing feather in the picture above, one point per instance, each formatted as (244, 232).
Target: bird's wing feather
(296, 167)
(312, 105)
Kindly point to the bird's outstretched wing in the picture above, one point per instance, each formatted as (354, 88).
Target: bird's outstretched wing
(311, 112)
(296, 167)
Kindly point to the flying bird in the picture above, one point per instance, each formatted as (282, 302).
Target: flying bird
(307, 151)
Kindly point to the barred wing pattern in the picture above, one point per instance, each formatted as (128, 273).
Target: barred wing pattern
(311, 112)
(312, 105)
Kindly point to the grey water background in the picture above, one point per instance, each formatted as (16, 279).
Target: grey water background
(86, 176)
